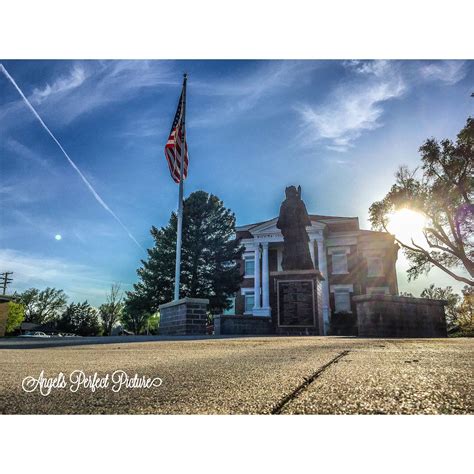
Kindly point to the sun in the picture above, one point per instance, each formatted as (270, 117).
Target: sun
(406, 225)
(58, 236)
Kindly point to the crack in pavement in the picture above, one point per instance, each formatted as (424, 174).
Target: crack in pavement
(307, 381)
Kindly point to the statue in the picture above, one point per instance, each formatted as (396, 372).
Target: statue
(292, 222)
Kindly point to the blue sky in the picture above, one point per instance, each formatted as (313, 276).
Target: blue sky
(339, 129)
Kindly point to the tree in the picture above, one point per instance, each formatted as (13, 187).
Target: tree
(459, 310)
(465, 317)
(447, 295)
(111, 311)
(81, 319)
(15, 316)
(136, 321)
(153, 323)
(42, 306)
(208, 258)
(443, 194)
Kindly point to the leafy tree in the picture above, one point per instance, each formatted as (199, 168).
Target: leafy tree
(208, 267)
(465, 317)
(443, 194)
(136, 321)
(153, 323)
(81, 319)
(459, 310)
(449, 296)
(15, 316)
(111, 311)
(42, 306)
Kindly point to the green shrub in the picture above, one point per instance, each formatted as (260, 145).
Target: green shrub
(16, 315)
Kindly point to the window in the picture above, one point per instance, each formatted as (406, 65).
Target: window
(249, 269)
(374, 267)
(342, 301)
(339, 262)
(249, 302)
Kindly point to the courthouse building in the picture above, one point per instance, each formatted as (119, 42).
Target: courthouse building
(352, 261)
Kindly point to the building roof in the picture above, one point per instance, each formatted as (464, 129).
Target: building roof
(373, 232)
(29, 326)
(313, 217)
(6, 298)
(46, 327)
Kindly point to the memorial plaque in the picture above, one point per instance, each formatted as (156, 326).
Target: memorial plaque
(296, 303)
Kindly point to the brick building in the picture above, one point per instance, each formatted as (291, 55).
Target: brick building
(352, 261)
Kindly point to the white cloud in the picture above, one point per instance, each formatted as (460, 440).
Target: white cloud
(35, 270)
(377, 68)
(449, 72)
(77, 280)
(353, 107)
(88, 86)
(13, 194)
(25, 153)
(358, 105)
(242, 93)
(74, 79)
(146, 126)
(114, 81)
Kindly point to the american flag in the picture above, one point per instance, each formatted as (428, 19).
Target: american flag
(175, 142)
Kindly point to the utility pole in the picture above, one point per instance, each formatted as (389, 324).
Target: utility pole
(5, 280)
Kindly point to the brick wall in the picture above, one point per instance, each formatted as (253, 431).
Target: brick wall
(187, 316)
(3, 317)
(398, 316)
(242, 325)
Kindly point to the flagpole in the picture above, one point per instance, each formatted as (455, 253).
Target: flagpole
(180, 197)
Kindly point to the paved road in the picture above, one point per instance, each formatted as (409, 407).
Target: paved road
(55, 341)
(253, 375)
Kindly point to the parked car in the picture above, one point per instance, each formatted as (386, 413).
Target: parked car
(34, 334)
(70, 334)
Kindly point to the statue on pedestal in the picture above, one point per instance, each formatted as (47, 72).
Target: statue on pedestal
(292, 222)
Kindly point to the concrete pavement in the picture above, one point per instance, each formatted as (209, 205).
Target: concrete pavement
(252, 375)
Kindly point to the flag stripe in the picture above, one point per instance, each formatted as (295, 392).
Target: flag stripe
(173, 146)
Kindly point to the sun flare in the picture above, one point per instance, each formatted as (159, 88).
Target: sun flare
(407, 224)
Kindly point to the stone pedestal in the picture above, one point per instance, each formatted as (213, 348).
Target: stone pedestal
(231, 325)
(184, 317)
(298, 302)
(400, 316)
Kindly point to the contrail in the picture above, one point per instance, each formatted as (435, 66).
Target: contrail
(79, 172)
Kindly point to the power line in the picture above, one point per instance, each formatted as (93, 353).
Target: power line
(5, 280)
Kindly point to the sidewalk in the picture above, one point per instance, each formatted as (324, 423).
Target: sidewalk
(325, 375)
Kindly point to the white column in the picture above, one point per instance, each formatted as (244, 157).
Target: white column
(311, 251)
(323, 268)
(265, 278)
(256, 279)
